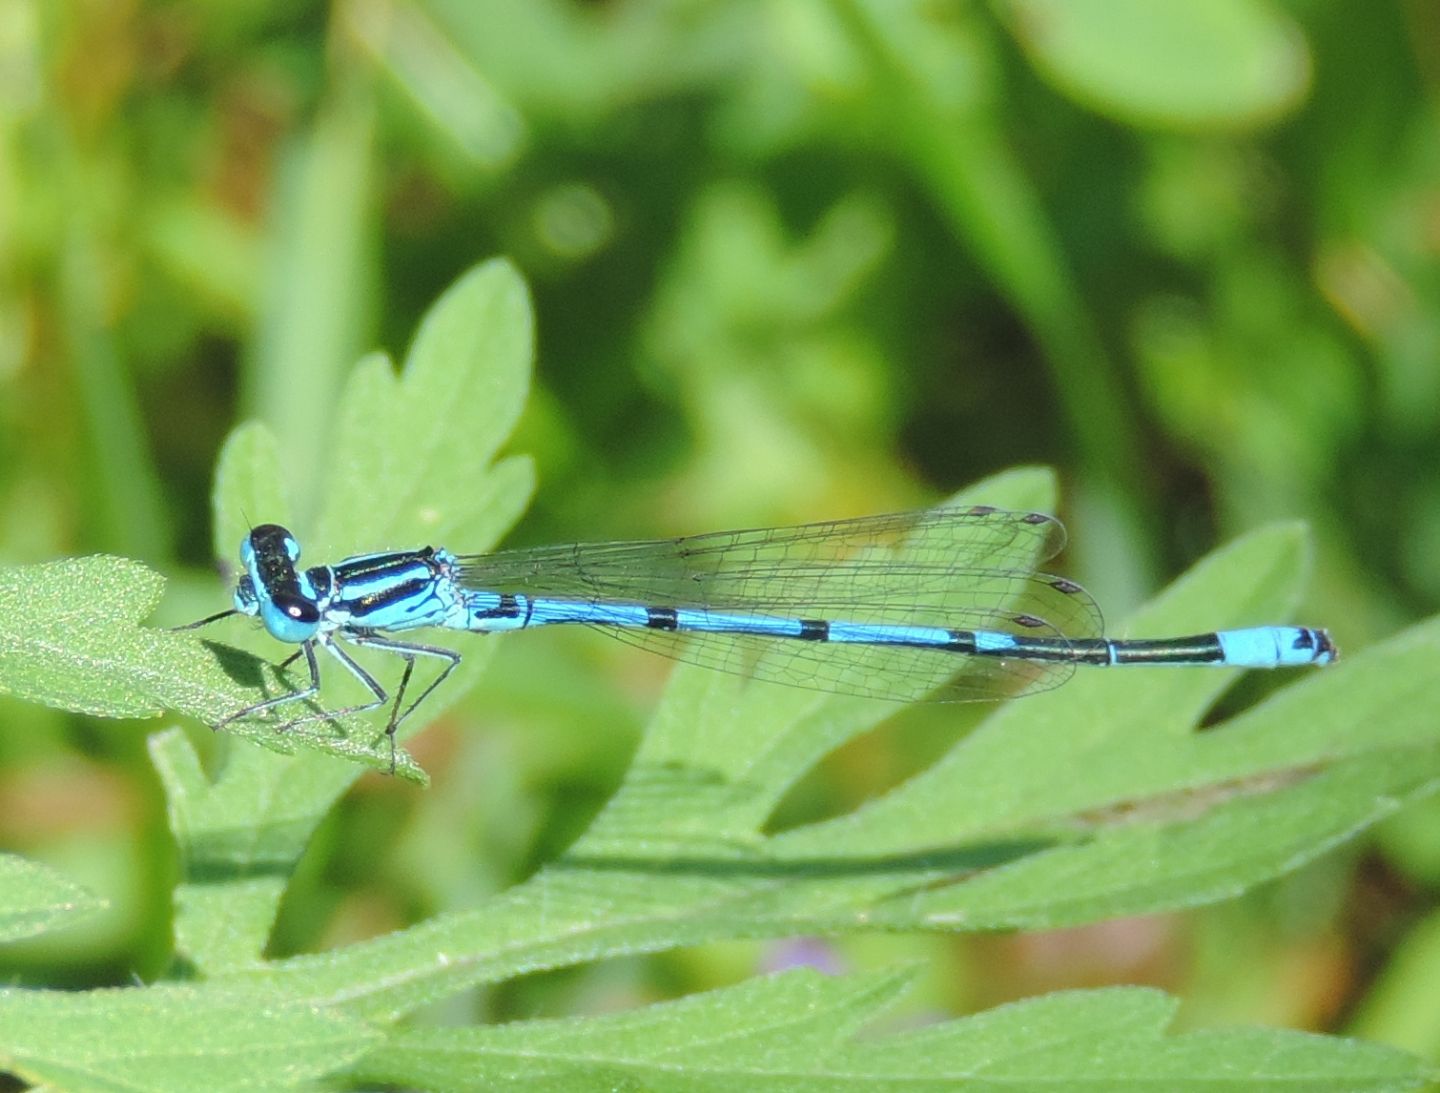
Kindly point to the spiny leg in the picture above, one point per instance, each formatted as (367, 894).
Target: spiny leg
(409, 651)
(269, 703)
(370, 683)
(308, 650)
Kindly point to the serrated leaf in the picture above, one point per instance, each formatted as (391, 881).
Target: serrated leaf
(62, 649)
(804, 1031)
(411, 465)
(421, 443)
(91, 655)
(239, 835)
(35, 899)
(1131, 730)
(416, 439)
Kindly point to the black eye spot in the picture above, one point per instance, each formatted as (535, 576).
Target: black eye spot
(301, 610)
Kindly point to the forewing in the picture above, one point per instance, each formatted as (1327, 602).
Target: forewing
(954, 568)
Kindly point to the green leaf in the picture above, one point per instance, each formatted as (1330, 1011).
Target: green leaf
(170, 1038)
(999, 832)
(1223, 63)
(70, 652)
(1164, 816)
(422, 444)
(239, 834)
(805, 1031)
(1226, 840)
(35, 899)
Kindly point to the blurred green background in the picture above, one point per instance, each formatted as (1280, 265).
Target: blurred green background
(792, 259)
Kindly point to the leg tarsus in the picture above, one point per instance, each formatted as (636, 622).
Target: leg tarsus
(371, 684)
(409, 651)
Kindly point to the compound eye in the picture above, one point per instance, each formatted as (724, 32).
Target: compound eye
(297, 608)
(268, 541)
(246, 601)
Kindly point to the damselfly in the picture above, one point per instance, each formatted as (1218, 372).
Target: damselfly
(943, 605)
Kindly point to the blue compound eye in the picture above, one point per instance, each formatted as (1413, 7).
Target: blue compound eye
(246, 602)
(290, 618)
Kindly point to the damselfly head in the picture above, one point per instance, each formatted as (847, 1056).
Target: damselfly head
(272, 588)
